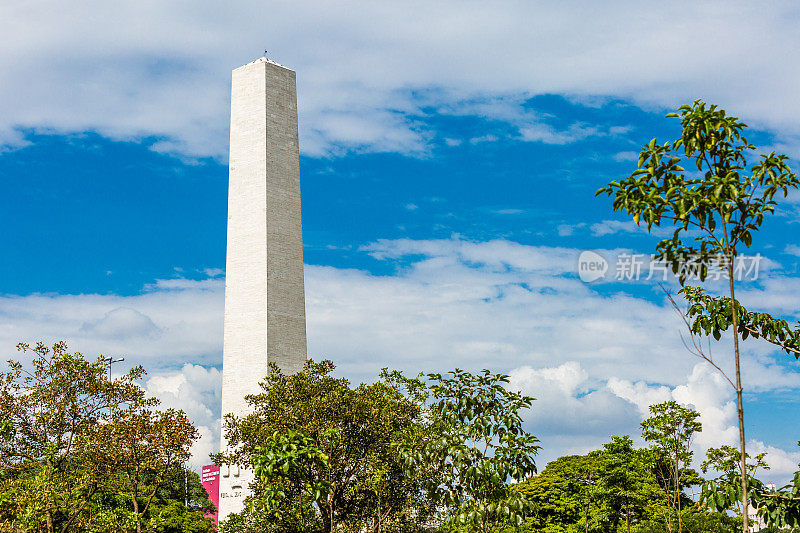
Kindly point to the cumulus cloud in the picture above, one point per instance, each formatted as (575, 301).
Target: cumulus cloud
(197, 391)
(617, 406)
(706, 391)
(121, 323)
(569, 415)
(369, 71)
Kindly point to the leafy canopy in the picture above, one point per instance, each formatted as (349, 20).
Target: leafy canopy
(81, 452)
(470, 444)
(324, 454)
(720, 205)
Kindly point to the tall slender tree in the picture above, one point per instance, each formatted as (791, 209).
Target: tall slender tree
(719, 207)
(670, 431)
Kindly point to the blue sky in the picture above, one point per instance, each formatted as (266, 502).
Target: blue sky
(450, 156)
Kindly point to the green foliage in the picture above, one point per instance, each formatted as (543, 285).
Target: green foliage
(712, 315)
(670, 431)
(722, 204)
(62, 462)
(361, 480)
(6, 430)
(626, 485)
(141, 447)
(469, 444)
(714, 210)
(780, 508)
(563, 495)
(696, 520)
(617, 488)
(727, 461)
(287, 465)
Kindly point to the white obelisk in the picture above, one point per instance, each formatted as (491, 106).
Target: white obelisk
(264, 299)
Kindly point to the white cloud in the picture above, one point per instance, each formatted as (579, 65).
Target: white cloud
(792, 249)
(781, 462)
(368, 70)
(577, 415)
(568, 414)
(706, 391)
(566, 230)
(528, 125)
(197, 390)
(484, 139)
(121, 323)
(568, 378)
(610, 227)
(171, 321)
(549, 135)
(626, 156)
(640, 394)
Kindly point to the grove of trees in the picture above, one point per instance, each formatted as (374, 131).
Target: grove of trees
(449, 453)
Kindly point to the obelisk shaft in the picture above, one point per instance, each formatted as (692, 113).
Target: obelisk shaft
(264, 295)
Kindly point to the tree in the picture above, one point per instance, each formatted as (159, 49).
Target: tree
(597, 491)
(353, 427)
(6, 430)
(562, 496)
(726, 461)
(143, 446)
(48, 474)
(720, 207)
(780, 508)
(697, 520)
(626, 482)
(670, 431)
(470, 443)
(179, 506)
(62, 461)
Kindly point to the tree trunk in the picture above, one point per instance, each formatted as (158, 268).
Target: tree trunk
(739, 399)
(327, 516)
(669, 511)
(586, 515)
(52, 501)
(136, 512)
(628, 517)
(678, 492)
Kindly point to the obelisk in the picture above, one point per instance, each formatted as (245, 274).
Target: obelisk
(264, 298)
